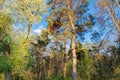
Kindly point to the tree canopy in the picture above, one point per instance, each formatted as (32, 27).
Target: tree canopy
(59, 39)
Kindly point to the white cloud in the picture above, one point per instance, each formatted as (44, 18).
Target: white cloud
(38, 30)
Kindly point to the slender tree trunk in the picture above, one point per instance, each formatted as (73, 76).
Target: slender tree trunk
(8, 75)
(56, 66)
(38, 67)
(74, 58)
(8, 72)
(55, 57)
(112, 14)
(64, 60)
(49, 67)
(1, 6)
(29, 29)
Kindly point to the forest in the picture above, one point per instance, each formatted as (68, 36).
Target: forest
(59, 39)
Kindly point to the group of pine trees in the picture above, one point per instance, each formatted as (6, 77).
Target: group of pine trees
(63, 50)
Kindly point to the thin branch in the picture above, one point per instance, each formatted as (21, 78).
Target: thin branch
(105, 37)
(29, 30)
(117, 2)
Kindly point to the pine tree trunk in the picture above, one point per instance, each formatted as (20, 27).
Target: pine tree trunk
(74, 58)
(8, 75)
(7, 72)
(29, 29)
(64, 60)
(112, 14)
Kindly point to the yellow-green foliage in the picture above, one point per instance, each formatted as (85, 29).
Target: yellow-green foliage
(28, 10)
(5, 22)
(1, 76)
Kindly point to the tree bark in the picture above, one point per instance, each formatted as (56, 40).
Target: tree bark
(117, 2)
(8, 75)
(74, 58)
(28, 33)
(112, 14)
(64, 60)
(7, 72)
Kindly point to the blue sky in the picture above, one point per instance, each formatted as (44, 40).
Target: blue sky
(91, 6)
(40, 25)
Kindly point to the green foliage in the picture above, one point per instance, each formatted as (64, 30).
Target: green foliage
(85, 63)
(19, 52)
(53, 25)
(5, 65)
(42, 58)
(28, 10)
(5, 23)
(1, 76)
(44, 38)
(60, 78)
